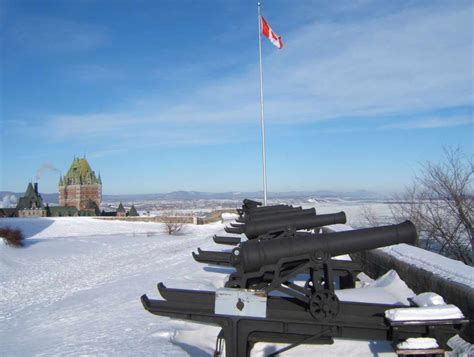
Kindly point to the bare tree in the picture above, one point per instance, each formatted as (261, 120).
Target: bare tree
(370, 216)
(440, 203)
(173, 224)
(173, 227)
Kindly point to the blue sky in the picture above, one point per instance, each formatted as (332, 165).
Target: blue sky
(164, 95)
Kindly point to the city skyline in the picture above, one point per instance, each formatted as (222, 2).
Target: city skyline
(163, 96)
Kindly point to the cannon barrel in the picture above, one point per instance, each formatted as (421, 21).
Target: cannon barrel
(281, 215)
(259, 210)
(251, 203)
(254, 229)
(254, 214)
(252, 255)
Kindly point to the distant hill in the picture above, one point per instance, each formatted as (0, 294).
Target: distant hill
(52, 198)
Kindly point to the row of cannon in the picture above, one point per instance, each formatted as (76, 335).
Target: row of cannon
(284, 278)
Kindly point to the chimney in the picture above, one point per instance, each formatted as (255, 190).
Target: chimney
(36, 187)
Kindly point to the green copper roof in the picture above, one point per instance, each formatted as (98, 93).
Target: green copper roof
(31, 199)
(80, 173)
(133, 212)
(120, 208)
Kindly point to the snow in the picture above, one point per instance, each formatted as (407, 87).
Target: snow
(418, 343)
(460, 347)
(437, 312)
(229, 216)
(389, 289)
(437, 264)
(428, 299)
(75, 288)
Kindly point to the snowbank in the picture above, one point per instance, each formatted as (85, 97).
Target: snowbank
(437, 312)
(388, 289)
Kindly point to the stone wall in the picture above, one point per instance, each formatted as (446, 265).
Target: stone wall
(213, 216)
(376, 263)
(155, 219)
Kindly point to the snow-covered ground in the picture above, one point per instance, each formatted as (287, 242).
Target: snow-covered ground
(75, 289)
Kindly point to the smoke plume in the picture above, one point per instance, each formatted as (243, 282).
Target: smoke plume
(47, 167)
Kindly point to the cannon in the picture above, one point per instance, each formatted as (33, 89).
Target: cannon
(248, 204)
(256, 261)
(299, 313)
(251, 203)
(254, 229)
(252, 255)
(265, 209)
(267, 213)
(281, 214)
(252, 208)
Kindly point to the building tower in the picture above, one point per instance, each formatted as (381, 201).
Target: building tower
(80, 187)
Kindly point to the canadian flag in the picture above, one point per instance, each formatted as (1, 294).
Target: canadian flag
(272, 36)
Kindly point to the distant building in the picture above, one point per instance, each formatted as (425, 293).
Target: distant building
(132, 212)
(31, 204)
(81, 188)
(80, 194)
(121, 211)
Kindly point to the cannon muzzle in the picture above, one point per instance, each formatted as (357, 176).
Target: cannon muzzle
(229, 240)
(251, 203)
(252, 255)
(234, 230)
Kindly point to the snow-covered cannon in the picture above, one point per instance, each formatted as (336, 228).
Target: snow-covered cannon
(254, 229)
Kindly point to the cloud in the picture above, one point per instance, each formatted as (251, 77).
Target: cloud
(382, 68)
(431, 123)
(48, 34)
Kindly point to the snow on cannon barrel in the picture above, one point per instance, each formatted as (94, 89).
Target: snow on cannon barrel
(254, 229)
(253, 254)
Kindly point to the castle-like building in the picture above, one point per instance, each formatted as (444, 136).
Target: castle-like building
(80, 194)
(80, 187)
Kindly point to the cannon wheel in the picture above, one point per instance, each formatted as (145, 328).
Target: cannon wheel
(324, 305)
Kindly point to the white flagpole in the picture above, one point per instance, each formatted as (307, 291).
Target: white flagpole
(261, 108)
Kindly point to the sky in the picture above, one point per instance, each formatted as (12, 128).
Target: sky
(161, 96)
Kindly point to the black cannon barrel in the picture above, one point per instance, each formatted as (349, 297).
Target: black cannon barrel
(226, 240)
(252, 255)
(282, 215)
(255, 214)
(259, 210)
(234, 230)
(209, 257)
(254, 229)
(251, 203)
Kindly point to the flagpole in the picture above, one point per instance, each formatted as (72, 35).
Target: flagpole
(262, 121)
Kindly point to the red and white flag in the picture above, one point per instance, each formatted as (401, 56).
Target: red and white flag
(272, 36)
